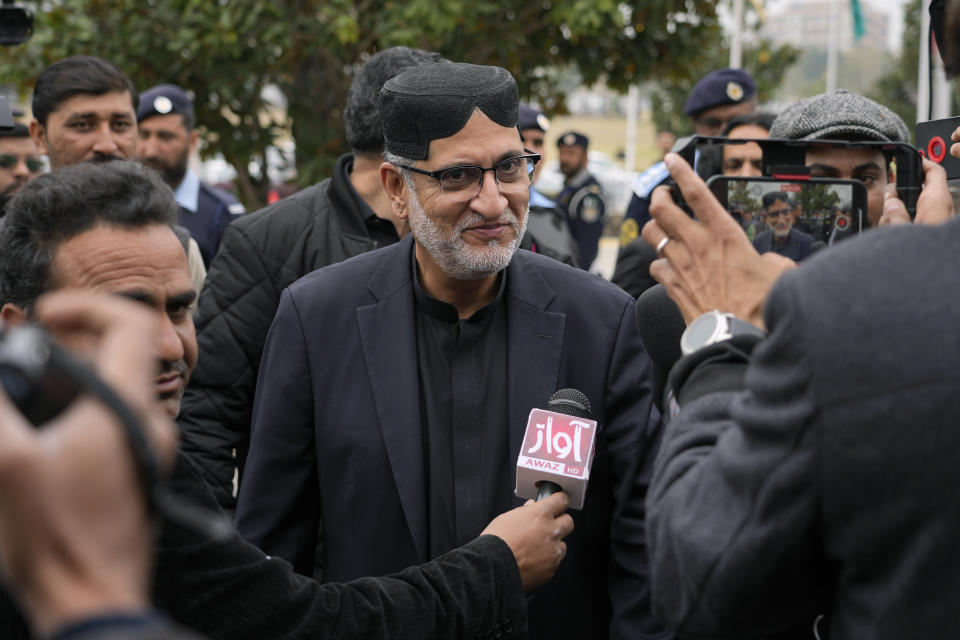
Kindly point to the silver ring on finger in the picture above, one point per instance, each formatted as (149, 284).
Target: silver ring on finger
(661, 245)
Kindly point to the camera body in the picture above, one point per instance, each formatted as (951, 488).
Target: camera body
(934, 139)
(786, 159)
(32, 374)
(16, 24)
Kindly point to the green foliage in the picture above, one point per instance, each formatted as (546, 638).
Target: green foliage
(817, 197)
(897, 89)
(765, 63)
(228, 51)
(740, 194)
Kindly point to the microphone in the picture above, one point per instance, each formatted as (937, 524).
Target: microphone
(557, 449)
(661, 325)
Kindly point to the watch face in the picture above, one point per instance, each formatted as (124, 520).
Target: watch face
(700, 331)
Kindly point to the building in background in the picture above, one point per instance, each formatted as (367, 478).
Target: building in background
(806, 24)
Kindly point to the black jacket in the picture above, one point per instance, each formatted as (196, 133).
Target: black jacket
(260, 255)
(341, 448)
(232, 591)
(827, 485)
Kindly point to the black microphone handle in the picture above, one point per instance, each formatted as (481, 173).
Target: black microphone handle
(545, 489)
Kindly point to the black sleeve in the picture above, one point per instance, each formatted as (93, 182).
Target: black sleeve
(632, 273)
(733, 502)
(236, 308)
(234, 591)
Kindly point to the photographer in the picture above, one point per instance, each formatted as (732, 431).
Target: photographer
(808, 475)
(74, 532)
(842, 115)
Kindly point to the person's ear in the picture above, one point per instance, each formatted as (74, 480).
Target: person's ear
(194, 139)
(39, 135)
(396, 189)
(12, 316)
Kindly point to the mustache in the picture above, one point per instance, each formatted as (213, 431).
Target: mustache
(475, 219)
(172, 366)
(103, 157)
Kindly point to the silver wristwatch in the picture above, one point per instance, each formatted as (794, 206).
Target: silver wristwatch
(713, 327)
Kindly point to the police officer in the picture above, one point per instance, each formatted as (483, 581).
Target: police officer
(166, 139)
(717, 98)
(582, 197)
(546, 223)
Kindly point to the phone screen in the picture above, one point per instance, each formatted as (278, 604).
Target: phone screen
(793, 217)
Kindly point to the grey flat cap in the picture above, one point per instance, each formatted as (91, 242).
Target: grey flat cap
(840, 114)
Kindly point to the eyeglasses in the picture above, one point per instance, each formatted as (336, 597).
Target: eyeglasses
(10, 160)
(778, 213)
(465, 181)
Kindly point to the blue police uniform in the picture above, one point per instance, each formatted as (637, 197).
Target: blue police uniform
(583, 202)
(638, 211)
(205, 211)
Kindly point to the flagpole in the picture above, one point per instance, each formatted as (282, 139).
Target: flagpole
(633, 112)
(923, 71)
(736, 42)
(832, 46)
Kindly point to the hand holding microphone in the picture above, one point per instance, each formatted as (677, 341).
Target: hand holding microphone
(535, 533)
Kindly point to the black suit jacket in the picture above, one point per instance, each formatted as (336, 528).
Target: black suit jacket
(828, 485)
(337, 430)
(233, 591)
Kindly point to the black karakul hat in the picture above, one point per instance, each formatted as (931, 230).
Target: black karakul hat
(435, 101)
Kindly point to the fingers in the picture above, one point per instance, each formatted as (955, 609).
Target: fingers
(122, 332)
(555, 504)
(894, 211)
(778, 264)
(935, 204)
(664, 273)
(123, 329)
(564, 525)
(955, 148)
(695, 191)
(673, 220)
(16, 434)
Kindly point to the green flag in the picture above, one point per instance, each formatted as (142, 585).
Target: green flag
(858, 27)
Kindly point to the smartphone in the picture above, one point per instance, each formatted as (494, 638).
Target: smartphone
(933, 142)
(787, 158)
(794, 217)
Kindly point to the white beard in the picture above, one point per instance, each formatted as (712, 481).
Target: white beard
(455, 257)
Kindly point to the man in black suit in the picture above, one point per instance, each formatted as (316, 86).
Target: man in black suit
(395, 386)
(106, 227)
(809, 471)
(780, 236)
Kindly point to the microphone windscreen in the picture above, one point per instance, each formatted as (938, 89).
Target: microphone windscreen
(661, 325)
(571, 402)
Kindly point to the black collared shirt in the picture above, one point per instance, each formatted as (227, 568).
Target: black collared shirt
(382, 231)
(463, 399)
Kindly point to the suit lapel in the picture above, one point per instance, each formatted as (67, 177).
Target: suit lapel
(534, 343)
(388, 332)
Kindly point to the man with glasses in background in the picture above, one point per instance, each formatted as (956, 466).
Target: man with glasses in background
(395, 387)
(780, 236)
(20, 162)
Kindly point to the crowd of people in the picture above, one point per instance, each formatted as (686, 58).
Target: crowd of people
(342, 379)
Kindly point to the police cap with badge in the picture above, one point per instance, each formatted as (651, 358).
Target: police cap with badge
(719, 88)
(165, 99)
(573, 139)
(530, 118)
